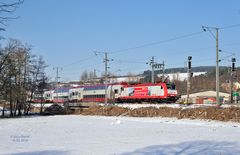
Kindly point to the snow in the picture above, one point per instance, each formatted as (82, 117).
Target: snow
(6, 112)
(182, 76)
(99, 135)
(45, 105)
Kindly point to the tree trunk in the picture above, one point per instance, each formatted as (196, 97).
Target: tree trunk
(11, 108)
(19, 108)
(3, 110)
(11, 102)
(28, 107)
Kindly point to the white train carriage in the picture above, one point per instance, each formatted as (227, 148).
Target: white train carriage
(61, 95)
(96, 93)
(48, 96)
(37, 97)
(76, 94)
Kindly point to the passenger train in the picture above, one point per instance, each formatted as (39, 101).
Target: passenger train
(116, 93)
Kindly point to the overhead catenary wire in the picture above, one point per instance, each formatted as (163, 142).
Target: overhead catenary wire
(230, 26)
(79, 61)
(128, 61)
(157, 42)
(168, 40)
(86, 66)
(152, 44)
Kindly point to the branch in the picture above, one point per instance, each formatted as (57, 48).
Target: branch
(8, 8)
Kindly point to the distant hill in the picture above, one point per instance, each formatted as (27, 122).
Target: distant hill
(184, 70)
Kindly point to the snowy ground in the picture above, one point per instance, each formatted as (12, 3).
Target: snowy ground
(83, 135)
(173, 105)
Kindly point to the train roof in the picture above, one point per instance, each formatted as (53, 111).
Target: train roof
(145, 84)
(62, 90)
(95, 87)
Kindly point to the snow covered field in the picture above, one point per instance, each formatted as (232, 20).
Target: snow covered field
(83, 135)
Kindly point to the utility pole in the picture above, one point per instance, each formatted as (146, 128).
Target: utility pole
(231, 79)
(57, 77)
(189, 74)
(152, 64)
(94, 76)
(106, 78)
(217, 68)
(105, 60)
(205, 28)
(163, 70)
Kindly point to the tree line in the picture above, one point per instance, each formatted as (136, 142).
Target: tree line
(207, 81)
(21, 74)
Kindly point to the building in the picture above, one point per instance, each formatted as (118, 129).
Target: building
(181, 76)
(206, 97)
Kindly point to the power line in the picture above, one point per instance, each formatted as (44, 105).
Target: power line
(152, 44)
(88, 66)
(126, 61)
(230, 26)
(158, 42)
(171, 39)
(85, 59)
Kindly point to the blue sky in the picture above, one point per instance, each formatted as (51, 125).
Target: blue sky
(67, 32)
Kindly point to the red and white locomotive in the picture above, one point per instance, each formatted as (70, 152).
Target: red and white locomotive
(118, 93)
(159, 92)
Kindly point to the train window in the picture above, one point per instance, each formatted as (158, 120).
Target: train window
(115, 91)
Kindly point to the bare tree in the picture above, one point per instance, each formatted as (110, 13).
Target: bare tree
(37, 79)
(6, 11)
(84, 76)
(91, 75)
(21, 73)
(8, 71)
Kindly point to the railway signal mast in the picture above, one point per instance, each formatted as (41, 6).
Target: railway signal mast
(57, 77)
(155, 65)
(189, 75)
(231, 79)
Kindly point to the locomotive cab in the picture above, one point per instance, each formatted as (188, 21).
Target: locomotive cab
(172, 92)
(171, 88)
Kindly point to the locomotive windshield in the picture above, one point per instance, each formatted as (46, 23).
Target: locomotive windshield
(171, 86)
